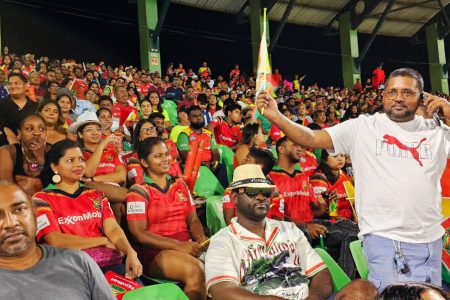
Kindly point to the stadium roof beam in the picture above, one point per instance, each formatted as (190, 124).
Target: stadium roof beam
(405, 6)
(360, 10)
(369, 42)
(241, 18)
(281, 25)
(161, 19)
(441, 20)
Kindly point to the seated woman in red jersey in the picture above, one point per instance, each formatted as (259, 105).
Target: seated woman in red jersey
(328, 181)
(104, 168)
(252, 136)
(102, 160)
(162, 220)
(72, 215)
(144, 129)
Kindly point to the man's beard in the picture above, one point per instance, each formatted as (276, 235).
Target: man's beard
(197, 125)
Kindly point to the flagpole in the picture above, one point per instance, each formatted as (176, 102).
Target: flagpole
(265, 66)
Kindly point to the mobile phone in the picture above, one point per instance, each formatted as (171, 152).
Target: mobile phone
(435, 115)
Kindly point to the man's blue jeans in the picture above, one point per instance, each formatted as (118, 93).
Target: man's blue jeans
(424, 261)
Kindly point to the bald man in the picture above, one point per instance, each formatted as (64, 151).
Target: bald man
(30, 271)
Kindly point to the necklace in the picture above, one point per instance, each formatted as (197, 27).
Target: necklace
(32, 166)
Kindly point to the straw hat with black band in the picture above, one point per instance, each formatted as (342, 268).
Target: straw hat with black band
(250, 175)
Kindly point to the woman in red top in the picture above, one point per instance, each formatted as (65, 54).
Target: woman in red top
(145, 129)
(162, 219)
(102, 160)
(328, 181)
(104, 168)
(71, 215)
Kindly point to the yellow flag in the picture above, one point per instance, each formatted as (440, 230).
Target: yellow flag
(264, 72)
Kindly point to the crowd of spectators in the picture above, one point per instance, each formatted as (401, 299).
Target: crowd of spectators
(119, 140)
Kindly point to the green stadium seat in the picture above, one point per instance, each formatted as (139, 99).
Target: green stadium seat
(340, 279)
(166, 291)
(171, 108)
(360, 259)
(214, 214)
(207, 184)
(227, 158)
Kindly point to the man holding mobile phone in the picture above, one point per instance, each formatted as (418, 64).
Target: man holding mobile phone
(398, 159)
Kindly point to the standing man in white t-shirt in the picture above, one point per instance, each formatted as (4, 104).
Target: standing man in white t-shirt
(398, 159)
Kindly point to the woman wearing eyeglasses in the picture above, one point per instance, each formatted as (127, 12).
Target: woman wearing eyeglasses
(163, 221)
(145, 129)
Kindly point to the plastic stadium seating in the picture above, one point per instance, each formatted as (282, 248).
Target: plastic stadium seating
(214, 214)
(166, 291)
(227, 157)
(207, 184)
(359, 258)
(171, 108)
(340, 279)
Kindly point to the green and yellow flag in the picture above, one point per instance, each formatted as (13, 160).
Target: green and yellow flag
(264, 80)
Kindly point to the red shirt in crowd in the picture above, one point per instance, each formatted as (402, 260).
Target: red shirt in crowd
(126, 114)
(225, 134)
(321, 184)
(81, 213)
(165, 211)
(308, 163)
(296, 191)
(109, 161)
(143, 88)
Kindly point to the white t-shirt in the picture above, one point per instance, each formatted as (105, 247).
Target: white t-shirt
(397, 169)
(278, 265)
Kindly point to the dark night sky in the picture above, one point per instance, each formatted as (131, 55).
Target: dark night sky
(107, 30)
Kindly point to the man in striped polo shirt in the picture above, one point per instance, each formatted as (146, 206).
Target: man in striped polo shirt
(257, 255)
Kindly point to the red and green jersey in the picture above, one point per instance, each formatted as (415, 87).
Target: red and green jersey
(321, 184)
(81, 213)
(164, 210)
(109, 161)
(225, 134)
(308, 163)
(296, 191)
(187, 136)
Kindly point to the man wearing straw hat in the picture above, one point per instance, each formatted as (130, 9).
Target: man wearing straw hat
(259, 258)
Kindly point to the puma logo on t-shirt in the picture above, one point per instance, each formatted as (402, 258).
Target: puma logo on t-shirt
(391, 140)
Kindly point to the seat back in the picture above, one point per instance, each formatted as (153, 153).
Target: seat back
(207, 184)
(166, 291)
(227, 157)
(171, 108)
(359, 258)
(340, 279)
(214, 214)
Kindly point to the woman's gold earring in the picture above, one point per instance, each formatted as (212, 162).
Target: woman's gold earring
(56, 178)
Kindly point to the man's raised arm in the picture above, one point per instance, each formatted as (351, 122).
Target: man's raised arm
(299, 134)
